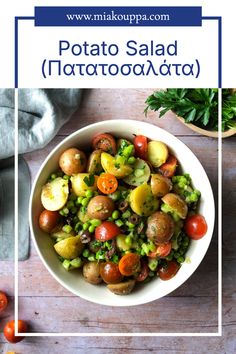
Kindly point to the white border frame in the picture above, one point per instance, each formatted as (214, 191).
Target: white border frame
(153, 334)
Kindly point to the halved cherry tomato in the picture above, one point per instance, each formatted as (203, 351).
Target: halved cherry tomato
(168, 270)
(161, 251)
(106, 231)
(48, 220)
(129, 264)
(168, 168)
(107, 183)
(3, 301)
(141, 146)
(143, 273)
(105, 142)
(110, 273)
(9, 331)
(195, 226)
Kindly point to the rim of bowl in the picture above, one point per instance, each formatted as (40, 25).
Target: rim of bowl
(140, 301)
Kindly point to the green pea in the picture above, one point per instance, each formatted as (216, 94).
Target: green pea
(67, 229)
(131, 160)
(66, 264)
(79, 200)
(95, 222)
(86, 253)
(85, 202)
(53, 176)
(65, 211)
(85, 226)
(89, 194)
(180, 259)
(115, 214)
(91, 229)
(66, 177)
(91, 258)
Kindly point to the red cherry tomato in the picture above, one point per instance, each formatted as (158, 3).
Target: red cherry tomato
(107, 183)
(110, 273)
(106, 231)
(141, 146)
(161, 251)
(48, 220)
(143, 273)
(3, 301)
(105, 142)
(195, 226)
(168, 270)
(9, 331)
(129, 264)
(168, 168)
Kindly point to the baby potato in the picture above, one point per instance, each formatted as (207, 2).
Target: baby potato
(141, 173)
(123, 288)
(157, 153)
(176, 204)
(142, 201)
(48, 220)
(70, 247)
(54, 194)
(91, 272)
(72, 161)
(160, 185)
(80, 184)
(111, 166)
(100, 207)
(160, 227)
(94, 165)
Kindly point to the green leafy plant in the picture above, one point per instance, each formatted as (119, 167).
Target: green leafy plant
(197, 106)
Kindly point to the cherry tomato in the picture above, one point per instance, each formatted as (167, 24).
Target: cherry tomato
(48, 220)
(107, 183)
(110, 273)
(129, 264)
(3, 301)
(141, 146)
(106, 231)
(105, 142)
(9, 331)
(161, 251)
(195, 226)
(143, 273)
(168, 168)
(168, 270)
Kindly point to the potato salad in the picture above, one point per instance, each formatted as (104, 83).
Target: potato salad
(121, 213)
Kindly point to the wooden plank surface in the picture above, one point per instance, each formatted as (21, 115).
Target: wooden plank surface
(192, 308)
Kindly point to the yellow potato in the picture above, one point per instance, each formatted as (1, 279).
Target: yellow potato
(121, 244)
(70, 247)
(142, 201)
(110, 165)
(55, 194)
(80, 185)
(157, 153)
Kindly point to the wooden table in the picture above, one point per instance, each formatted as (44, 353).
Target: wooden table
(48, 307)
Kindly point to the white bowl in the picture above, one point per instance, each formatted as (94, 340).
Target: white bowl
(156, 288)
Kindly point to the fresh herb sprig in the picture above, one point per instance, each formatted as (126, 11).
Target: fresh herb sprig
(197, 106)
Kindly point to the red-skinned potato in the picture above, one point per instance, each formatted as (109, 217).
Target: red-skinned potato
(48, 220)
(160, 227)
(100, 207)
(72, 161)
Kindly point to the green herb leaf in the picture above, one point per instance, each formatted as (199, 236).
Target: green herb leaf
(89, 180)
